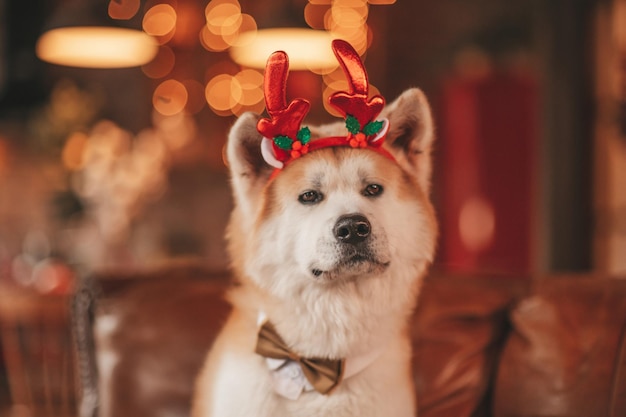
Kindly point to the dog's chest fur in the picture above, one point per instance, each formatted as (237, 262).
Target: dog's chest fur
(245, 387)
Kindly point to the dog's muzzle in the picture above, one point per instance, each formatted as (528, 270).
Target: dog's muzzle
(352, 229)
(355, 253)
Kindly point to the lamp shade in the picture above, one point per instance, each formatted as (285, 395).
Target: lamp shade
(96, 47)
(80, 34)
(308, 49)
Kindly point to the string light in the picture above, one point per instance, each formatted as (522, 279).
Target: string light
(160, 22)
(170, 97)
(223, 17)
(123, 9)
(227, 28)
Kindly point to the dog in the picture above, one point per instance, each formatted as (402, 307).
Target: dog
(330, 240)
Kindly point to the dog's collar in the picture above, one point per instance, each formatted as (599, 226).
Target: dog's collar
(292, 375)
(284, 140)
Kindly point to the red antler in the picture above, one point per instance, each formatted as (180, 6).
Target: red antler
(354, 103)
(283, 138)
(284, 119)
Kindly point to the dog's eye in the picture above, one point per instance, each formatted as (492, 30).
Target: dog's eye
(373, 190)
(310, 197)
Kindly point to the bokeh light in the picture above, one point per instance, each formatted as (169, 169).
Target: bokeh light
(72, 154)
(224, 25)
(251, 83)
(223, 17)
(352, 3)
(336, 74)
(123, 9)
(346, 19)
(170, 97)
(248, 26)
(234, 94)
(232, 90)
(223, 92)
(477, 224)
(233, 6)
(314, 15)
(212, 42)
(160, 21)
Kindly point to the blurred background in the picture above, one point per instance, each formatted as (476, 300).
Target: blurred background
(107, 164)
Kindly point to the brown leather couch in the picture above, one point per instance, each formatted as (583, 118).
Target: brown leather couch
(484, 346)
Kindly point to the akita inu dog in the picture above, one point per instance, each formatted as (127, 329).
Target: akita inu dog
(330, 237)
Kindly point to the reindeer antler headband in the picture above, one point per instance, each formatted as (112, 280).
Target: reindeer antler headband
(283, 138)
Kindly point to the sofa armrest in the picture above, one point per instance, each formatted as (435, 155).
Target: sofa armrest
(458, 332)
(567, 353)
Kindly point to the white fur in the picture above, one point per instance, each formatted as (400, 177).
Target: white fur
(347, 311)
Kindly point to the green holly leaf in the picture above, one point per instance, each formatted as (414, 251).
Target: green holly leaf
(372, 128)
(304, 135)
(353, 125)
(283, 142)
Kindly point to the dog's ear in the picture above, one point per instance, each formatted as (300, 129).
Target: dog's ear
(249, 171)
(411, 134)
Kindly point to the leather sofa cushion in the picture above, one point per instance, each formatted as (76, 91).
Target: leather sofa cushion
(152, 332)
(567, 353)
(458, 332)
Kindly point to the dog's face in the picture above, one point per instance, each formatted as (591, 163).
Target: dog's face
(338, 218)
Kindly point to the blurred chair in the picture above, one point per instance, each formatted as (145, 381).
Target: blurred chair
(142, 338)
(36, 341)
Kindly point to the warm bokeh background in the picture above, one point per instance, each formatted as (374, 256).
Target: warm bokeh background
(121, 169)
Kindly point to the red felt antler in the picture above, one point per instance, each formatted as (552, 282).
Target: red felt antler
(283, 138)
(283, 126)
(355, 103)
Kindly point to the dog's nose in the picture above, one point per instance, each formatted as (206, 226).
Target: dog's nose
(352, 228)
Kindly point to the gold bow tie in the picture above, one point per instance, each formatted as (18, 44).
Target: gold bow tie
(323, 374)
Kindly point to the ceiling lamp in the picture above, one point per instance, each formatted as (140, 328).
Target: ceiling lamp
(96, 47)
(81, 35)
(308, 49)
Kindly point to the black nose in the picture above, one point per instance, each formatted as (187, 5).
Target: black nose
(352, 228)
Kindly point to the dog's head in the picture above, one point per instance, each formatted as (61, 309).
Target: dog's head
(337, 217)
